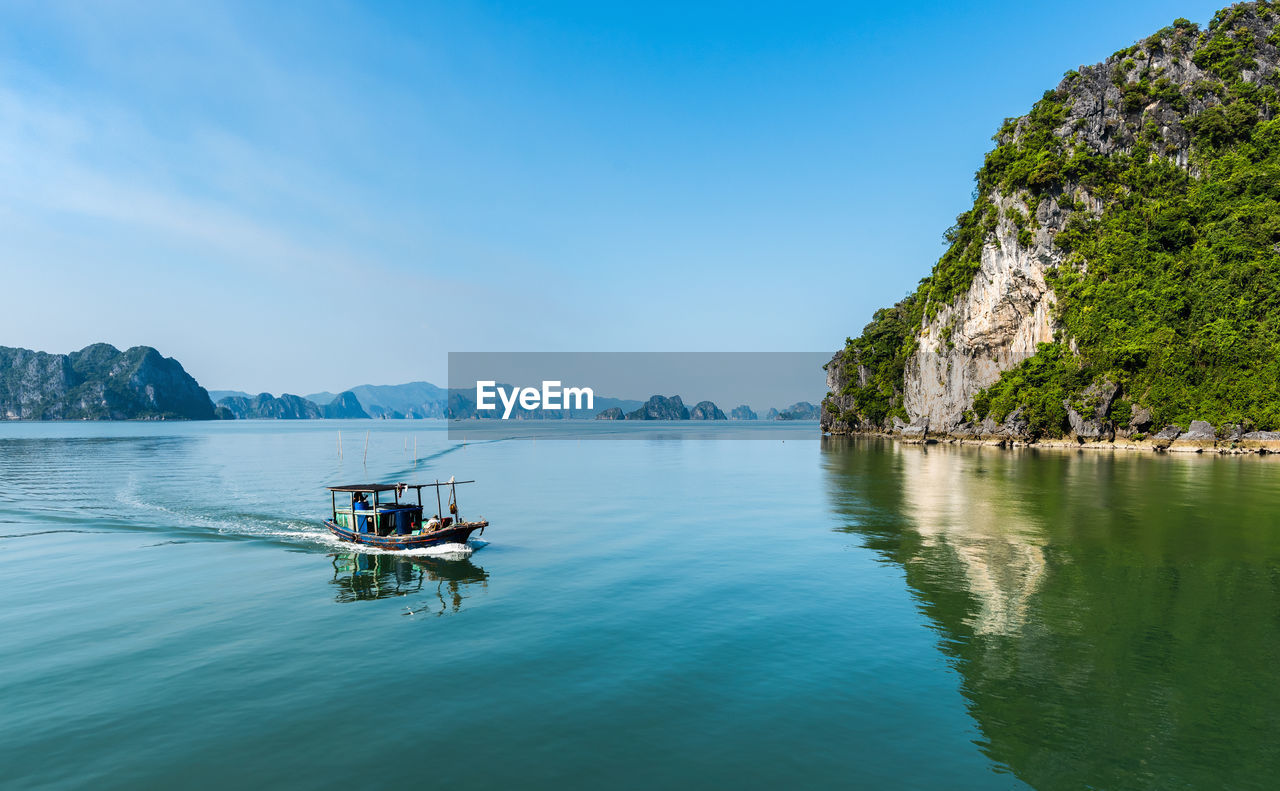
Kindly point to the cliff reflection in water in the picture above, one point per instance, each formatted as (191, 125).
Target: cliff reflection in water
(1114, 618)
(445, 582)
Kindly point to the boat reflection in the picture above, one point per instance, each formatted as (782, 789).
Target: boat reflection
(1112, 617)
(438, 584)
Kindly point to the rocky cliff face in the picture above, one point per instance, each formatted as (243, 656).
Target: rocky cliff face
(997, 323)
(98, 382)
(742, 412)
(1118, 167)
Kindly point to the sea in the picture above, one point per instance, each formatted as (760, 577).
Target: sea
(643, 611)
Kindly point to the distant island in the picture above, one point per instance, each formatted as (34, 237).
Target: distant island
(705, 410)
(800, 410)
(661, 407)
(345, 405)
(264, 405)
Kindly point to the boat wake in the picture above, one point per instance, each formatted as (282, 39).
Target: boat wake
(219, 523)
(454, 551)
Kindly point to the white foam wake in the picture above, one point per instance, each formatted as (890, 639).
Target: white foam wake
(450, 551)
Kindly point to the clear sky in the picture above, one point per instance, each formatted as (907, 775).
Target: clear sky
(310, 196)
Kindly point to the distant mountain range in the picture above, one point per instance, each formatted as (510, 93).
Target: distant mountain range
(425, 400)
(100, 382)
(410, 400)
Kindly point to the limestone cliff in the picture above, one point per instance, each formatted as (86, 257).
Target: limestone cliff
(99, 382)
(999, 322)
(1097, 288)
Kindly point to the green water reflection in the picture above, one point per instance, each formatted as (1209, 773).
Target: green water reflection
(1114, 618)
(436, 585)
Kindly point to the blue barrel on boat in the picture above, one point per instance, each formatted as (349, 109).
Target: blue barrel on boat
(362, 522)
(404, 521)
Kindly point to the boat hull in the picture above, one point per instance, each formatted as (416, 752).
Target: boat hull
(454, 534)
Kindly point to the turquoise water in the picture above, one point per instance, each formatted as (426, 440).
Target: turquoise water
(649, 613)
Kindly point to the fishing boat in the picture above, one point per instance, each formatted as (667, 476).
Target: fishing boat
(374, 519)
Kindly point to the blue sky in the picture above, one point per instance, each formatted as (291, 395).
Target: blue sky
(303, 197)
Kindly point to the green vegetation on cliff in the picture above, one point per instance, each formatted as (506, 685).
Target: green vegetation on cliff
(882, 350)
(1172, 289)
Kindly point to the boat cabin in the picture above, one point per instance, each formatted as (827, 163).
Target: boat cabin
(376, 508)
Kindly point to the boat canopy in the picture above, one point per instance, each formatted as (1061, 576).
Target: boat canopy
(370, 488)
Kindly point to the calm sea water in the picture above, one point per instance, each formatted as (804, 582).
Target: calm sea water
(653, 613)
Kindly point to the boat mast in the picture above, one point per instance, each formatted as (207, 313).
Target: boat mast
(439, 510)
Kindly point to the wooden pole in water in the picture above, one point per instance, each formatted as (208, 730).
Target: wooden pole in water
(415, 452)
(339, 444)
(366, 448)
